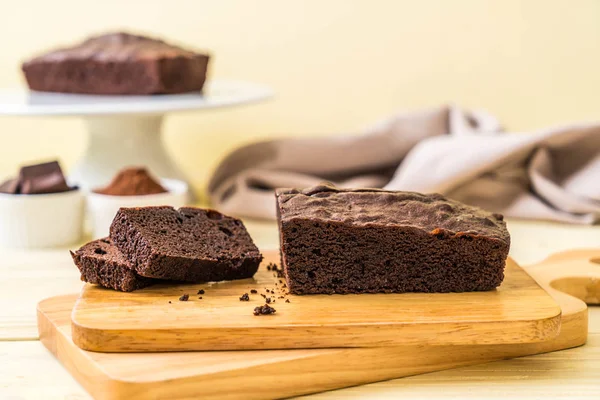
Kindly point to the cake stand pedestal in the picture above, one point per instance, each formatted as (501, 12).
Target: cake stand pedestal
(119, 141)
(126, 130)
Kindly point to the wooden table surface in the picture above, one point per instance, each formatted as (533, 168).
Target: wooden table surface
(28, 371)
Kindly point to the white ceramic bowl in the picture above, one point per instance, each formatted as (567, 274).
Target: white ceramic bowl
(102, 208)
(41, 220)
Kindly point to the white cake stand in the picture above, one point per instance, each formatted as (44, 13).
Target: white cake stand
(126, 130)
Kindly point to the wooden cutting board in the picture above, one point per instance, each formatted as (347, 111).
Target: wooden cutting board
(154, 319)
(271, 374)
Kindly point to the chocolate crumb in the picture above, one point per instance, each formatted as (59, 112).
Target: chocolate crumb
(287, 300)
(169, 301)
(253, 291)
(184, 297)
(263, 295)
(268, 267)
(201, 291)
(268, 300)
(264, 310)
(200, 298)
(245, 297)
(499, 217)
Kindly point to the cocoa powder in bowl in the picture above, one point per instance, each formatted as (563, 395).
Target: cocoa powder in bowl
(132, 182)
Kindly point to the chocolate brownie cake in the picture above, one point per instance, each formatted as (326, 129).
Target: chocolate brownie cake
(367, 241)
(101, 263)
(118, 64)
(189, 244)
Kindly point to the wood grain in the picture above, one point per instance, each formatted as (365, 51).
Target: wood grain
(282, 373)
(110, 321)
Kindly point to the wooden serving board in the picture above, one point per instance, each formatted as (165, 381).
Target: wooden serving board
(269, 374)
(154, 319)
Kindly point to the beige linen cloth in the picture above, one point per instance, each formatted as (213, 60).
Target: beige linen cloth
(552, 174)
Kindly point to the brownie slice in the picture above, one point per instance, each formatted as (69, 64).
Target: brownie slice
(118, 64)
(103, 264)
(189, 244)
(367, 241)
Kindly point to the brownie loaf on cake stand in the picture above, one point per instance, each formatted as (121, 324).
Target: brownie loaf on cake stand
(368, 241)
(123, 85)
(118, 64)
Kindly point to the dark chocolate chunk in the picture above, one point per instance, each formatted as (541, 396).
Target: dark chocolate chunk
(268, 300)
(42, 178)
(184, 297)
(37, 179)
(201, 291)
(245, 297)
(253, 291)
(10, 186)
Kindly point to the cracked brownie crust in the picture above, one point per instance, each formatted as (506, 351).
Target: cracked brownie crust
(368, 241)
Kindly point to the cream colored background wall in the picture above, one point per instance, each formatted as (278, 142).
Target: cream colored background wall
(336, 65)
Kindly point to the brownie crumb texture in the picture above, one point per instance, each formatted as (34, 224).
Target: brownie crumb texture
(189, 244)
(184, 297)
(373, 241)
(264, 310)
(101, 263)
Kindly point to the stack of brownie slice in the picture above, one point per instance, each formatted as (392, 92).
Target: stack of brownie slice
(153, 244)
